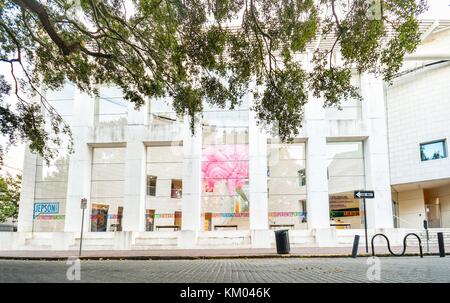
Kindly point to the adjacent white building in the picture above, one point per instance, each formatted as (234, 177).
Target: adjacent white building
(418, 110)
(150, 183)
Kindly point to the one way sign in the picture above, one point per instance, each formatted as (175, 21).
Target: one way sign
(364, 194)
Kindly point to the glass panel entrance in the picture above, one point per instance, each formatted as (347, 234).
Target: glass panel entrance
(433, 215)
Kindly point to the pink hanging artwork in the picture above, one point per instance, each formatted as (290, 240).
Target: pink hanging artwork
(225, 163)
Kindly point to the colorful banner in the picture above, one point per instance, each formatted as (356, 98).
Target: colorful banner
(333, 214)
(230, 215)
(50, 217)
(238, 215)
(163, 216)
(109, 216)
(287, 214)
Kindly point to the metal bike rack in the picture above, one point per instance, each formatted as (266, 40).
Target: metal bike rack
(404, 244)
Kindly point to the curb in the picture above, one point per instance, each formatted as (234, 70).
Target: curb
(155, 258)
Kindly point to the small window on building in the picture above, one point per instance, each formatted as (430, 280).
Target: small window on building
(176, 189)
(302, 177)
(303, 218)
(433, 150)
(151, 185)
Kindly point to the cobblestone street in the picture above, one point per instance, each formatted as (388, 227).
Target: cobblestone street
(315, 270)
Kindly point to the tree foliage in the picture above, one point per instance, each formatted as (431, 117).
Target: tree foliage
(9, 197)
(195, 52)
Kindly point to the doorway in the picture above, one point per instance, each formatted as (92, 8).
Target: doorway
(433, 215)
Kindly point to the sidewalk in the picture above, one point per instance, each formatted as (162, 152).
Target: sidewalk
(190, 254)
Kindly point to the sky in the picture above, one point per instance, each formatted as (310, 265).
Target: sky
(438, 9)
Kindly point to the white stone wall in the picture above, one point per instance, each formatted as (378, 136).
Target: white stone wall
(363, 122)
(418, 112)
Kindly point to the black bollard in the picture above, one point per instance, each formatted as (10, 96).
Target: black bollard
(355, 246)
(440, 236)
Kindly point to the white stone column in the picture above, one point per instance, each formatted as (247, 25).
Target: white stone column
(259, 216)
(376, 153)
(135, 171)
(79, 174)
(25, 219)
(191, 201)
(258, 204)
(318, 208)
(134, 187)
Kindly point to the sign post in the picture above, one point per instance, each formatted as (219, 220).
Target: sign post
(83, 206)
(365, 194)
(425, 226)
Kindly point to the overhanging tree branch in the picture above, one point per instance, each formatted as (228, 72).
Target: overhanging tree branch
(48, 24)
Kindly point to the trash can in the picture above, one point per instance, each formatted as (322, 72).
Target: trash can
(282, 241)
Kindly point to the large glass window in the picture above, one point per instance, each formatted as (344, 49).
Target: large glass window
(162, 113)
(67, 92)
(62, 101)
(350, 109)
(111, 107)
(225, 168)
(51, 188)
(286, 182)
(107, 186)
(345, 175)
(433, 150)
(164, 187)
(51, 178)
